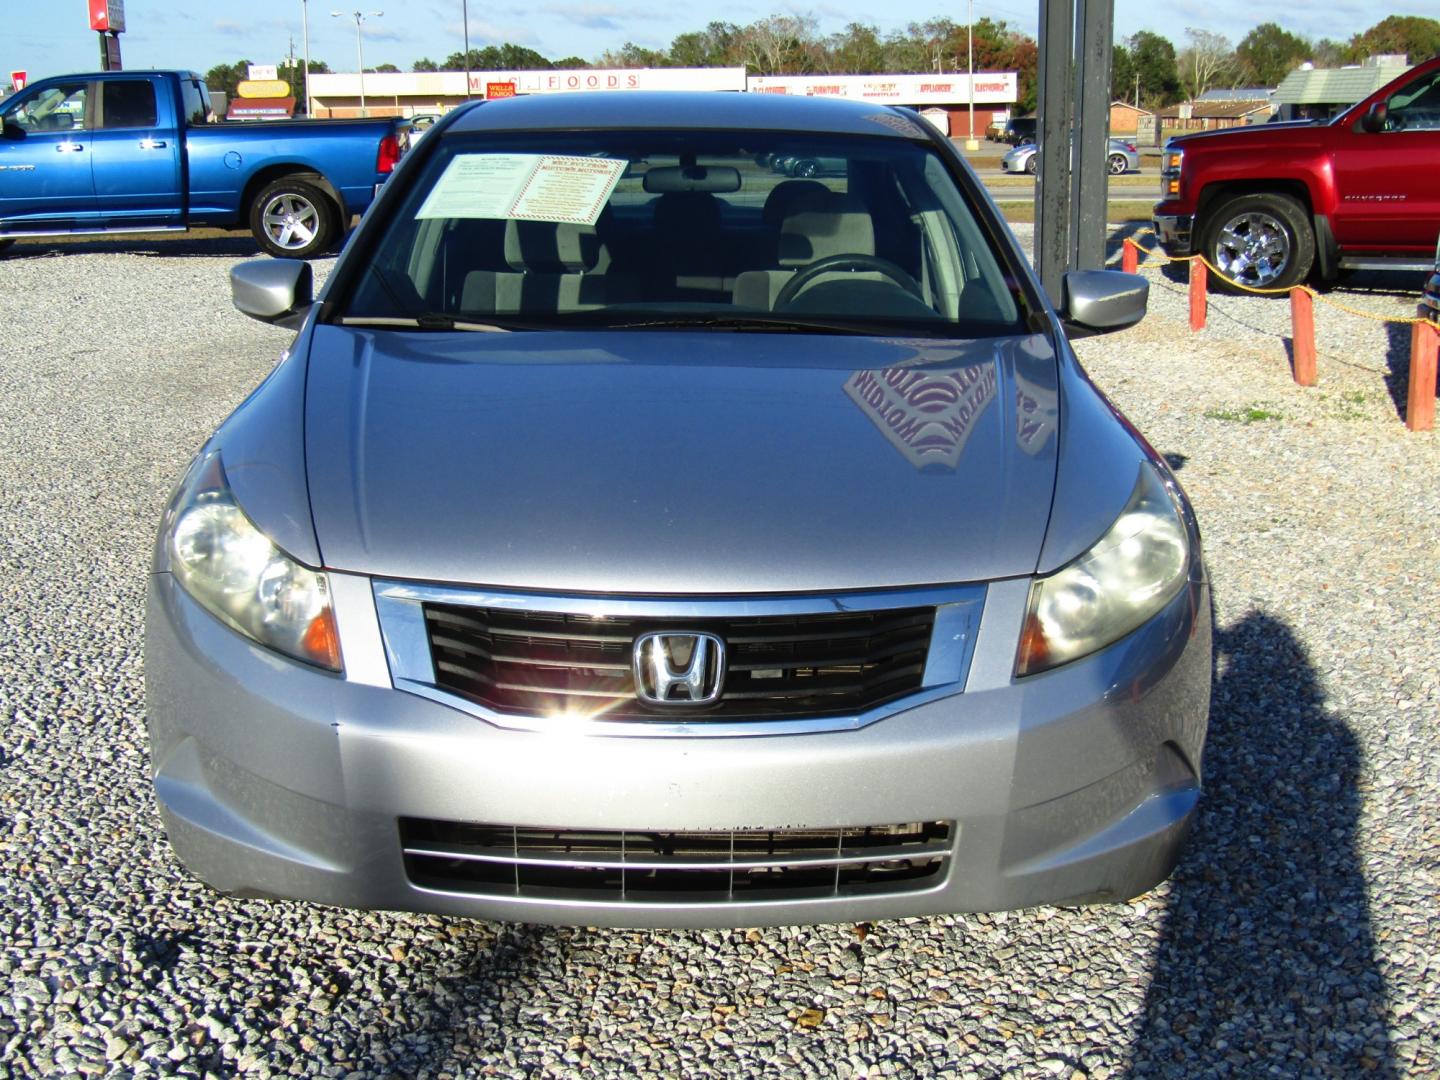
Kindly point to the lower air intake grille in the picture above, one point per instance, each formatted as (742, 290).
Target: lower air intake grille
(776, 668)
(701, 867)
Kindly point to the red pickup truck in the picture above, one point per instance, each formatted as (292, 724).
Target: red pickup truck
(1270, 204)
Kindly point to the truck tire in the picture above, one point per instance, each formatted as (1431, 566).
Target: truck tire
(1263, 240)
(292, 219)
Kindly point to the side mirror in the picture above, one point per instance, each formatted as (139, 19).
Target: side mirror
(1101, 301)
(278, 291)
(1375, 117)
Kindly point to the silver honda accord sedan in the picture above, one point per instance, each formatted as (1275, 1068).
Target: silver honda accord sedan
(635, 536)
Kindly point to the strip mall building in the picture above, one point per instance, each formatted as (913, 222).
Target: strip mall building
(944, 99)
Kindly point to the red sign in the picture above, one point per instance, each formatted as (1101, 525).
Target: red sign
(107, 15)
(17, 79)
(495, 90)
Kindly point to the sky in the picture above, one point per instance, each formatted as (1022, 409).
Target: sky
(55, 38)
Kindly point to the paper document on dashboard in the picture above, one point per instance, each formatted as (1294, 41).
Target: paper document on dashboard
(526, 187)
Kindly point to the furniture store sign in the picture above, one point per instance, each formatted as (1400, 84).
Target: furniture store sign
(991, 88)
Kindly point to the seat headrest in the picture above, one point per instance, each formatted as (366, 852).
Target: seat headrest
(786, 196)
(547, 247)
(824, 225)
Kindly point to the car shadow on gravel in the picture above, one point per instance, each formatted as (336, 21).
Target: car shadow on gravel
(1267, 961)
(239, 245)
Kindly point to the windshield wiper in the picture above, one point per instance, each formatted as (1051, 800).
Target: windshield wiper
(747, 323)
(428, 321)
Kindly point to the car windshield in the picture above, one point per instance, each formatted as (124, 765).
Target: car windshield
(706, 229)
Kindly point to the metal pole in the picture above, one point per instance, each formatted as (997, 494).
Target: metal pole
(305, 33)
(1091, 176)
(970, 143)
(465, 24)
(1056, 109)
(360, 52)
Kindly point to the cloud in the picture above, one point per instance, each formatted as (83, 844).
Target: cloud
(599, 16)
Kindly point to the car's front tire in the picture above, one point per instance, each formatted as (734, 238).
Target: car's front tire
(1262, 240)
(292, 219)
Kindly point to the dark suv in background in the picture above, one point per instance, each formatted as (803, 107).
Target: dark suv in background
(1019, 130)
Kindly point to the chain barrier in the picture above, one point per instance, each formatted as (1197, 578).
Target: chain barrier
(1230, 282)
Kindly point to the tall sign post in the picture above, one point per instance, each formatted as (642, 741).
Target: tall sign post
(1074, 103)
(107, 18)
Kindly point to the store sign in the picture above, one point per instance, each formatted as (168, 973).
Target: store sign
(17, 79)
(263, 88)
(990, 87)
(263, 72)
(107, 15)
(494, 90)
(572, 81)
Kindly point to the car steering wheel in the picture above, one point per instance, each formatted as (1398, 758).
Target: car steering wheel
(847, 262)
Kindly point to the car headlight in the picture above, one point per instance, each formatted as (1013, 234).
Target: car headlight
(233, 571)
(1129, 574)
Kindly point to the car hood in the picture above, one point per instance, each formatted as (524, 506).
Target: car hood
(679, 462)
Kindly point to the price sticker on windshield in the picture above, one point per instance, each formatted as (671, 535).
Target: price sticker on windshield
(524, 187)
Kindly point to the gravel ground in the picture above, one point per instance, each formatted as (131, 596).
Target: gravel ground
(1299, 936)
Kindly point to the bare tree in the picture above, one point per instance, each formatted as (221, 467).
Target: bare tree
(1208, 61)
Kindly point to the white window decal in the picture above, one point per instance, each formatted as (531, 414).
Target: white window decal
(528, 187)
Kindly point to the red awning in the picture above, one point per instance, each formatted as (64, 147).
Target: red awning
(260, 108)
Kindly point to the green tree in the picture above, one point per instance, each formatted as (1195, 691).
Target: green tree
(1414, 35)
(631, 55)
(424, 64)
(571, 62)
(1268, 53)
(296, 78)
(1154, 60)
(712, 47)
(506, 57)
(1122, 75)
(856, 50)
(224, 78)
(378, 68)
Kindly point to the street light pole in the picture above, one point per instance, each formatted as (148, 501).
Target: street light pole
(465, 25)
(970, 143)
(305, 34)
(359, 17)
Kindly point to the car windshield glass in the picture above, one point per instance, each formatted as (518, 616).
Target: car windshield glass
(712, 229)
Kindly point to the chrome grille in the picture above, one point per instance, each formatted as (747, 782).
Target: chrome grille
(749, 864)
(778, 667)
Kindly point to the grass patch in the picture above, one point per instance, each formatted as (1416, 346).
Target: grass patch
(1250, 414)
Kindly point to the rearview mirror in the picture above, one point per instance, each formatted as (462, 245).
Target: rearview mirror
(1102, 301)
(1375, 117)
(278, 291)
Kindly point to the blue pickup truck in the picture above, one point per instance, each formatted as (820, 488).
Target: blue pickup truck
(134, 151)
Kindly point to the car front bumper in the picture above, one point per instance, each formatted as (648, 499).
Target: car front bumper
(1174, 233)
(278, 780)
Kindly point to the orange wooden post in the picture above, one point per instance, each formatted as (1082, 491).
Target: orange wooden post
(1420, 407)
(1302, 335)
(1130, 256)
(1199, 284)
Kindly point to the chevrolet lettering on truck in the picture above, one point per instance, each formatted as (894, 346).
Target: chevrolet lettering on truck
(124, 152)
(1271, 205)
